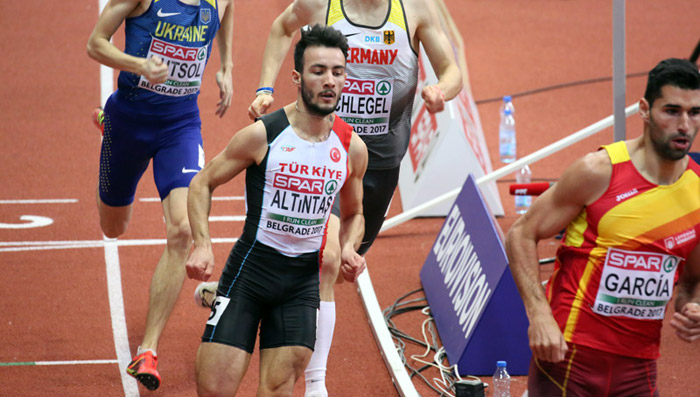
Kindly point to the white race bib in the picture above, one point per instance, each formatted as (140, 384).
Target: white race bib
(185, 68)
(636, 284)
(365, 105)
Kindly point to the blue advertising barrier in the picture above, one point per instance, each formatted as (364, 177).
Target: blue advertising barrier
(472, 296)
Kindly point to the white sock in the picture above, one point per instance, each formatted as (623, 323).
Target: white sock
(315, 373)
(140, 351)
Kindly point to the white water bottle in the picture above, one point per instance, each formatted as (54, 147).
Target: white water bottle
(501, 381)
(506, 137)
(522, 203)
(507, 104)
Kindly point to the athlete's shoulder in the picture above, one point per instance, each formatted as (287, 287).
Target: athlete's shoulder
(586, 179)
(357, 153)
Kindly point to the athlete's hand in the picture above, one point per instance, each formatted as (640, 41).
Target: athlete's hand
(260, 105)
(687, 322)
(225, 82)
(155, 70)
(200, 264)
(434, 98)
(546, 340)
(352, 264)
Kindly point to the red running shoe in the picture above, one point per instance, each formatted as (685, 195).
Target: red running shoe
(143, 368)
(98, 118)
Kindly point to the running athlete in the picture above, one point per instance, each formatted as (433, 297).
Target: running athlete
(154, 115)
(384, 38)
(296, 160)
(633, 216)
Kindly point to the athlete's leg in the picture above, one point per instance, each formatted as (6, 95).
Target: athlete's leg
(219, 369)
(113, 220)
(315, 373)
(170, 272)
(280, 368)
(124, 156)
(378, 188)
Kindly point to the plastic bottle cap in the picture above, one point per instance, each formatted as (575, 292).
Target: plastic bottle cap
(507, 98)
(501, 363)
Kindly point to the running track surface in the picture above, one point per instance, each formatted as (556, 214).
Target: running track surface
(55, 302)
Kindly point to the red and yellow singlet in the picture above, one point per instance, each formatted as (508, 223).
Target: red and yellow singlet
(620, 258)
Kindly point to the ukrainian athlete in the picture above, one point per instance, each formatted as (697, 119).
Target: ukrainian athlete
(153, 115)
(633, 216)
(384, 39)
(296, 161)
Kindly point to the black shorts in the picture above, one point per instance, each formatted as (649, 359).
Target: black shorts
(261, 287)
(378, 188)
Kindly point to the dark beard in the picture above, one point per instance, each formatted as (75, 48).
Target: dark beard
(663, 149)
(313, 108)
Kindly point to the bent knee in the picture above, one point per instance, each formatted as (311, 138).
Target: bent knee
(179, 236)
(113, 229)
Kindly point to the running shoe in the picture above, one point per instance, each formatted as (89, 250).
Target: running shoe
(98, 118)
(205, 294)
(143, 368)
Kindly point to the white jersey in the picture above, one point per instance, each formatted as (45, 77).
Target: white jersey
(382, 69)
(289, 196)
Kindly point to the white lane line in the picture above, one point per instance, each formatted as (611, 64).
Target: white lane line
(116, 310)
(76, 362)
(17, 246)
(222, 198)
(40, 201)
(227, 218)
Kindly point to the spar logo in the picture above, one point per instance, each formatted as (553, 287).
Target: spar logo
(366, 87)
(178, 52)
(642, 261)
(335, 154)
(298, 184)
(331, 186)
(360, 87)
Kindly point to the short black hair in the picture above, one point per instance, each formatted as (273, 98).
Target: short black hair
(679, 73)
(318, 36)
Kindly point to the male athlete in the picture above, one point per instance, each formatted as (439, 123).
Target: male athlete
(296, 160)
(154, 115)
(633, 216)
(384, 38)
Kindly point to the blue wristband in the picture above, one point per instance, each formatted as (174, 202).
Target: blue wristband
(265, 90)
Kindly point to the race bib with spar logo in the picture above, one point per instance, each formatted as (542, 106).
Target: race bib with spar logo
(185, 68)
(365, 105)
(636, 284)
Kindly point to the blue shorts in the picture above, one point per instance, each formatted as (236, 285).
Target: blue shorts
(135, 133)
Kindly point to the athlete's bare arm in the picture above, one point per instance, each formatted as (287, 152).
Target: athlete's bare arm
(285, 26)
(224, 39)
(581, 184)
(352, 222)
(103, 51)
(248, 146)
(686, 320)
(430, 35)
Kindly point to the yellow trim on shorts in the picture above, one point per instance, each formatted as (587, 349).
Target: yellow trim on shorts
(568, 372)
